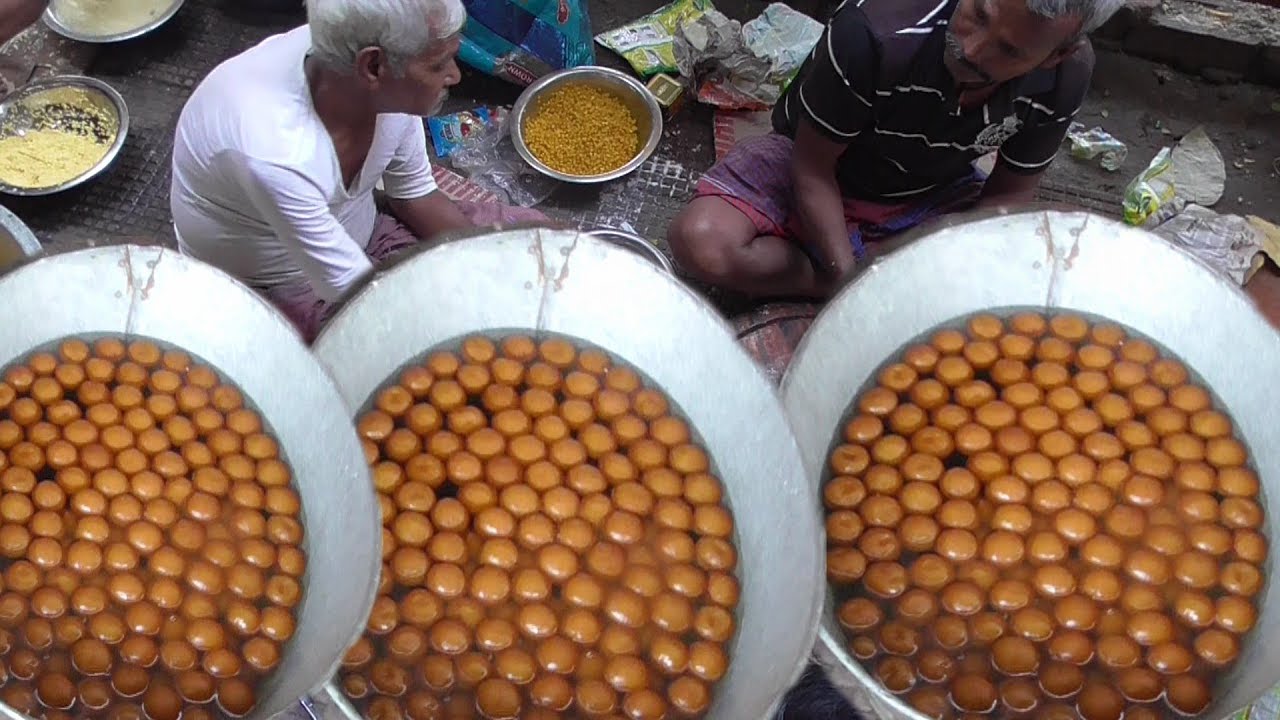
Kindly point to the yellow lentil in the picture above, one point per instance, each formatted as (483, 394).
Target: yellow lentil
(581, 130)
(45, 158)
(55, 136)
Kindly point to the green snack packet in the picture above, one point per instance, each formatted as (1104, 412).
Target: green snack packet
(647, 44)
(1152, 189)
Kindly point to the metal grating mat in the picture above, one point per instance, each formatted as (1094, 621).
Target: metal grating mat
(646, 201)
(1096, 201)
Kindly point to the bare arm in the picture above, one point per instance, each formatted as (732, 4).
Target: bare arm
(412, 195)
(16, 15)
(819, 203)
(831, 105)
(430, 215)
(1006, 187)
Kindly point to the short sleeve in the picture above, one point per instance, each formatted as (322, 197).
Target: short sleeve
(408, 175)
(838, 89)
(299, 215)
(1047, 117)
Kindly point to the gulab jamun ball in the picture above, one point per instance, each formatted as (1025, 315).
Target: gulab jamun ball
(556, 543)
(1043, 516)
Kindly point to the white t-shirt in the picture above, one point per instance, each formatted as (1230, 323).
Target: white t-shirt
(257, 189)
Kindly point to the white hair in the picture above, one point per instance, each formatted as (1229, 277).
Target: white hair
(1092, 13)
(403, 29)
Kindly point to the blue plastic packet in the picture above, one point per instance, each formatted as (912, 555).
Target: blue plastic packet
(448, 132)
(522, 40)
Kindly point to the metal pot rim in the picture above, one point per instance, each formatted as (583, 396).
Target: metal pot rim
(1047, 259)
(573, 284)
(21, 234)
(158, 293)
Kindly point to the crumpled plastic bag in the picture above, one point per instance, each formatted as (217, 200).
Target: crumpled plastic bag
(1230, 244)
(1190, 172)
(745, 67)
(489, 159)
(647, 44)
(1090, 143)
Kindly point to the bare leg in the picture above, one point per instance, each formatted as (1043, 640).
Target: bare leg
(715, 243)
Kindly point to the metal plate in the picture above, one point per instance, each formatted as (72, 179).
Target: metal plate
(16, 240)
(636, 244)
(159, 294)
(1050, 260)
(100, 94)
(56, 24)
(582, 287)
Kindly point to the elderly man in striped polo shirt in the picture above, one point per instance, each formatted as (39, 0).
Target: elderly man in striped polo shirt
(879, 132)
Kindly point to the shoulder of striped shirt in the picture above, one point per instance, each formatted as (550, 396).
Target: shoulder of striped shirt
(922, 26)
(893, 25)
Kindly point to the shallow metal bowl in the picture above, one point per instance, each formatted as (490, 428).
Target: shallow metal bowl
(159, 294)
(17, 242)
(144, 25)
(96, 92)
(636, 244)
(643, 106)
(1046, 260)
(566, 283)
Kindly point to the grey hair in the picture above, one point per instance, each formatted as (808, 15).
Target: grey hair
(1092, 13)
(403, 29)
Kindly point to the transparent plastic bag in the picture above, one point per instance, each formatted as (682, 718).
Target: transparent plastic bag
(489, 159)
(1087, 144)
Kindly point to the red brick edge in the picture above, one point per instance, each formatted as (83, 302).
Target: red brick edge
(726, 133)
(460, 188)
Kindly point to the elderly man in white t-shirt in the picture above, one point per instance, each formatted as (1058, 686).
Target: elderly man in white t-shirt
(279, 149)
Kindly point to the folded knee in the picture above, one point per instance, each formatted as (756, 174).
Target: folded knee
(700, 247)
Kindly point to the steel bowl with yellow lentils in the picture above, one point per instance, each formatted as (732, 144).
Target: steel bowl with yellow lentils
(57, 133)
(581, 130)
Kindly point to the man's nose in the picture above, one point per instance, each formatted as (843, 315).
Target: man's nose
(454, 75)
(974, 45)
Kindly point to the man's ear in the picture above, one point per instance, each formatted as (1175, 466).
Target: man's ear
(1062, 53)
(371, 65)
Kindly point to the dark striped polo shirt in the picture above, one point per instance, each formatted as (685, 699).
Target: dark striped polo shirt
(877, 82)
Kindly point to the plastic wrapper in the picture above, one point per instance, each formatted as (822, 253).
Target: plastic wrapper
(1230, 244)
(1087, 144)
(1152, 188)
(489, 159)
(448, 132)
(745, 67)
(522, 40)
(1190, 172)
(647, 44)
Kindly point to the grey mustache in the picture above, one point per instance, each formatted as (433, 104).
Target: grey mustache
(956, 51)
